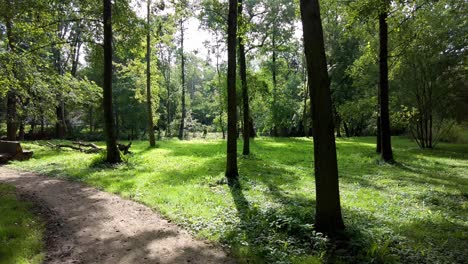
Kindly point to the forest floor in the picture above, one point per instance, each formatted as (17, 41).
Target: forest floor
(85, 225)
(415, 211)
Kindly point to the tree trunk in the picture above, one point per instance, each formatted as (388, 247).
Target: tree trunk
(12, 122)
(184, 114)
(273, 73)
(338, 127)
(328, 218)
(221, 112)
(378, 139)
(386, 142)
(113, 154)
(231, 165)
(346, 129)
(60, 127)
(245, 93)
(148, 79)
(91, 119)
(22, 132)
(60, 130)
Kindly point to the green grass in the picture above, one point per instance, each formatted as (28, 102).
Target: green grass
(21, 232)
(414, 211)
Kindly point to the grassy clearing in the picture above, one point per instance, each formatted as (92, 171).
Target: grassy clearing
(20, 231)
(414, 211)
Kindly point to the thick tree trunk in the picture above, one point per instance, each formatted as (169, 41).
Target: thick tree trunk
(148, 79)
(245, 92)
(184, 114)
(328, 218)
(386, 142)
(113, 154)
(231, 165)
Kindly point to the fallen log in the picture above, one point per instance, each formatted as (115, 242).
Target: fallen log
(78, 146)
(88, 147)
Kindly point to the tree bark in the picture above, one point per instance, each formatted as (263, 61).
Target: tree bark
(328, 218)
(221, 112)
(386, 142)
(378, 140)
(184, 114)
(12, 122)
(113, 154)
(245, 92)
(231, 164)
(148, 78)
(275, 97)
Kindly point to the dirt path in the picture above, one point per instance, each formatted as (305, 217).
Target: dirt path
(91, 226)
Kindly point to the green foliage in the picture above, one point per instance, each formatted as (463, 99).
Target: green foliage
(412, 212)
(360, 116)
(21, 232)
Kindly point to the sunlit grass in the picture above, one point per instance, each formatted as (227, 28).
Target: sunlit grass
(21, 232)
(414, 211)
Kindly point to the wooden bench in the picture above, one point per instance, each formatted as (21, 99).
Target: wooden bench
(12, 150)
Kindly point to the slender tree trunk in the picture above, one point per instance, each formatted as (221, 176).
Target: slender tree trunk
(386, 142)
(12, 122)
(378, 139)
(42, 125)
(168, 111)
(60, 126)
(245, 92)
(148, 78)
(338, 127)
(231, 165)
(304, 110)
(275, 97)
(221, 112)
(22, 132)
(328, 218)
(113, 154)
(91, 119)
(346, 129)
(184, 114)
(168, 89)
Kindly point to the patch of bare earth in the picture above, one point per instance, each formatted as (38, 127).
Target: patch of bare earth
(86, 225)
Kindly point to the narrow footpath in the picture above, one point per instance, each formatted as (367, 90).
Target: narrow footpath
(85, 225)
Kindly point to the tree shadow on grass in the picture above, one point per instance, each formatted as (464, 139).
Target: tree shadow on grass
(286, 233)
(277, 233)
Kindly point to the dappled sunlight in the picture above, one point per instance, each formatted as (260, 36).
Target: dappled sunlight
(185, 182)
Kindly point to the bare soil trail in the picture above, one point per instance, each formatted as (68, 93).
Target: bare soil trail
(86, 225)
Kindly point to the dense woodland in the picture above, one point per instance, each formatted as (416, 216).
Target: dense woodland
(52, 68)
(120, 71)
